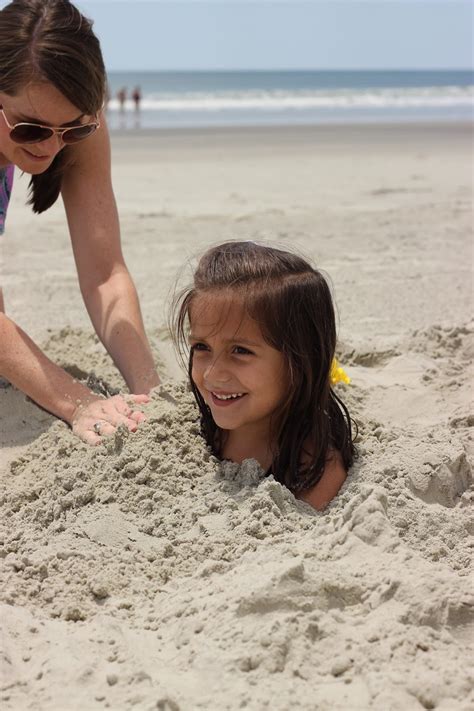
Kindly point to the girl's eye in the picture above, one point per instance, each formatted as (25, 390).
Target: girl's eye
(199, 347)
(240, 350)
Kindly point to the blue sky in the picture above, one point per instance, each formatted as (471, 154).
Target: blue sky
(284, 34)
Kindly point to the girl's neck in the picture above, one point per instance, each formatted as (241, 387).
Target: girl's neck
(247, 445)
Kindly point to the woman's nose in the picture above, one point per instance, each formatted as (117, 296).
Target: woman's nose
(52, 145)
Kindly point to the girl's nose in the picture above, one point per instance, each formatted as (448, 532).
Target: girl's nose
(216, 372)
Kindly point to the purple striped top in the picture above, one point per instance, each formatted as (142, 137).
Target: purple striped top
(6, 182)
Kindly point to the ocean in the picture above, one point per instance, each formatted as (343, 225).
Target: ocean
(253, 98)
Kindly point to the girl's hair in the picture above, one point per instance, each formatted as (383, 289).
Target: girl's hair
(50, 41)
(292, 304)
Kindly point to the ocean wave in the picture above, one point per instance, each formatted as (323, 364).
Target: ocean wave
(279, 100)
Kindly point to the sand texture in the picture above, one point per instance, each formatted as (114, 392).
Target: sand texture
(144, 574)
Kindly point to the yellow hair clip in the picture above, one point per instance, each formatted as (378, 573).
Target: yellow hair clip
(338, 374)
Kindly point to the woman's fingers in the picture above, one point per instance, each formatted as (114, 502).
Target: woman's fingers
(138, 416)
(138, 399)
(113, 411)
(133, 417)
(103, 429)
(88, 436)
(122, 406)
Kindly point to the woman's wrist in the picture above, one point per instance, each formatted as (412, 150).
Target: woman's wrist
(75, 401)
(142, 384)
(26, 367)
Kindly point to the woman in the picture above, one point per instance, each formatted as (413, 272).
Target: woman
(52, 90)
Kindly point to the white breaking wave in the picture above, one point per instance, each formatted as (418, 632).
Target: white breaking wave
(280, 100)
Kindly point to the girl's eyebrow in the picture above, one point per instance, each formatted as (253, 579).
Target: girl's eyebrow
(243, 341)
(195, 339)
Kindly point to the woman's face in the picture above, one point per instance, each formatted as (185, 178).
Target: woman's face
(37, 103)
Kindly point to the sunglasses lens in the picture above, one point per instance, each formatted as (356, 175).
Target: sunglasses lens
(78, 133)
(29, 133)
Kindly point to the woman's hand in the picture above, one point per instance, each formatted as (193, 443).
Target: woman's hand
(100, 417)
(91, 416)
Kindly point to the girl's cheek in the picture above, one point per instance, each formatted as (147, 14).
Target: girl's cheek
(196, 373)
(198, 378)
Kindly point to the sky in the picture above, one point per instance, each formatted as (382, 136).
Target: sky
(283, 34)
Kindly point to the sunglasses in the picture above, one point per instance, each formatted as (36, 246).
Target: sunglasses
(36, 133)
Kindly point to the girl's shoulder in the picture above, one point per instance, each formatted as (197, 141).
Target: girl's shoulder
(332, 479)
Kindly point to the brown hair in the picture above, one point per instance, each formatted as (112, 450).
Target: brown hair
(50, 41)
(293, 306)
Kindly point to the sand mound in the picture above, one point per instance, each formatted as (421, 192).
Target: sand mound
(145, 574)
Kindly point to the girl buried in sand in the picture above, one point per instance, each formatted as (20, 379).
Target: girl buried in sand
(262, 337)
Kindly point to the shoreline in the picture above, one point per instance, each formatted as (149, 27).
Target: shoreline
(304, 129)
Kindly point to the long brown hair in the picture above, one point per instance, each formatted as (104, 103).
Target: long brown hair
(50, 41)
(292, 304)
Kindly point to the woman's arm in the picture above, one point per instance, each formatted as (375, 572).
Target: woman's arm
(334, 476)
(107, 288)
(25, 366)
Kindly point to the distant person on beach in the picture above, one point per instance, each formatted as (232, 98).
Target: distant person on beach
(122, 98)
(261, 327)
(52, 90)
(137, 97)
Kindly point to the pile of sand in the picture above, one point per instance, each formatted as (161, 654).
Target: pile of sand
(144, 573)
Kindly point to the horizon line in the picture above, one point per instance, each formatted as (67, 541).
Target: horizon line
(299, 69)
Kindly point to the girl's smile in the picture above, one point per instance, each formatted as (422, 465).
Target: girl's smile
(239, 375)
(224, 399)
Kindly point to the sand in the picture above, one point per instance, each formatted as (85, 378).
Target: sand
(144, 574)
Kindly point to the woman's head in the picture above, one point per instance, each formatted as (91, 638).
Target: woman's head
(51, 73)
(241, 286)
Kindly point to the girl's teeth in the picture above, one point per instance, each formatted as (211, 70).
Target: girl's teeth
(227, 397)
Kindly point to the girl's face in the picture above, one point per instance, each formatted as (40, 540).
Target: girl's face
(36, 103)
(239, 375)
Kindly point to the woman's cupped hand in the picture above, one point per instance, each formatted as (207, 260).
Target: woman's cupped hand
(100, 417)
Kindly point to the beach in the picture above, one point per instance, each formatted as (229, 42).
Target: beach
(144, 574)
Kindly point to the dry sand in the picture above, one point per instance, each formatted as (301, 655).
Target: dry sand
(145, 575)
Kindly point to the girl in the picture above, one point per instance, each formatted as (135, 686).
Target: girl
(52, 90)
(262, 337)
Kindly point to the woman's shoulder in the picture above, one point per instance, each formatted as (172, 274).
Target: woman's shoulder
(87, 173)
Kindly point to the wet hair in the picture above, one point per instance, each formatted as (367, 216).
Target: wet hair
(292, 304)
(50, 41)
